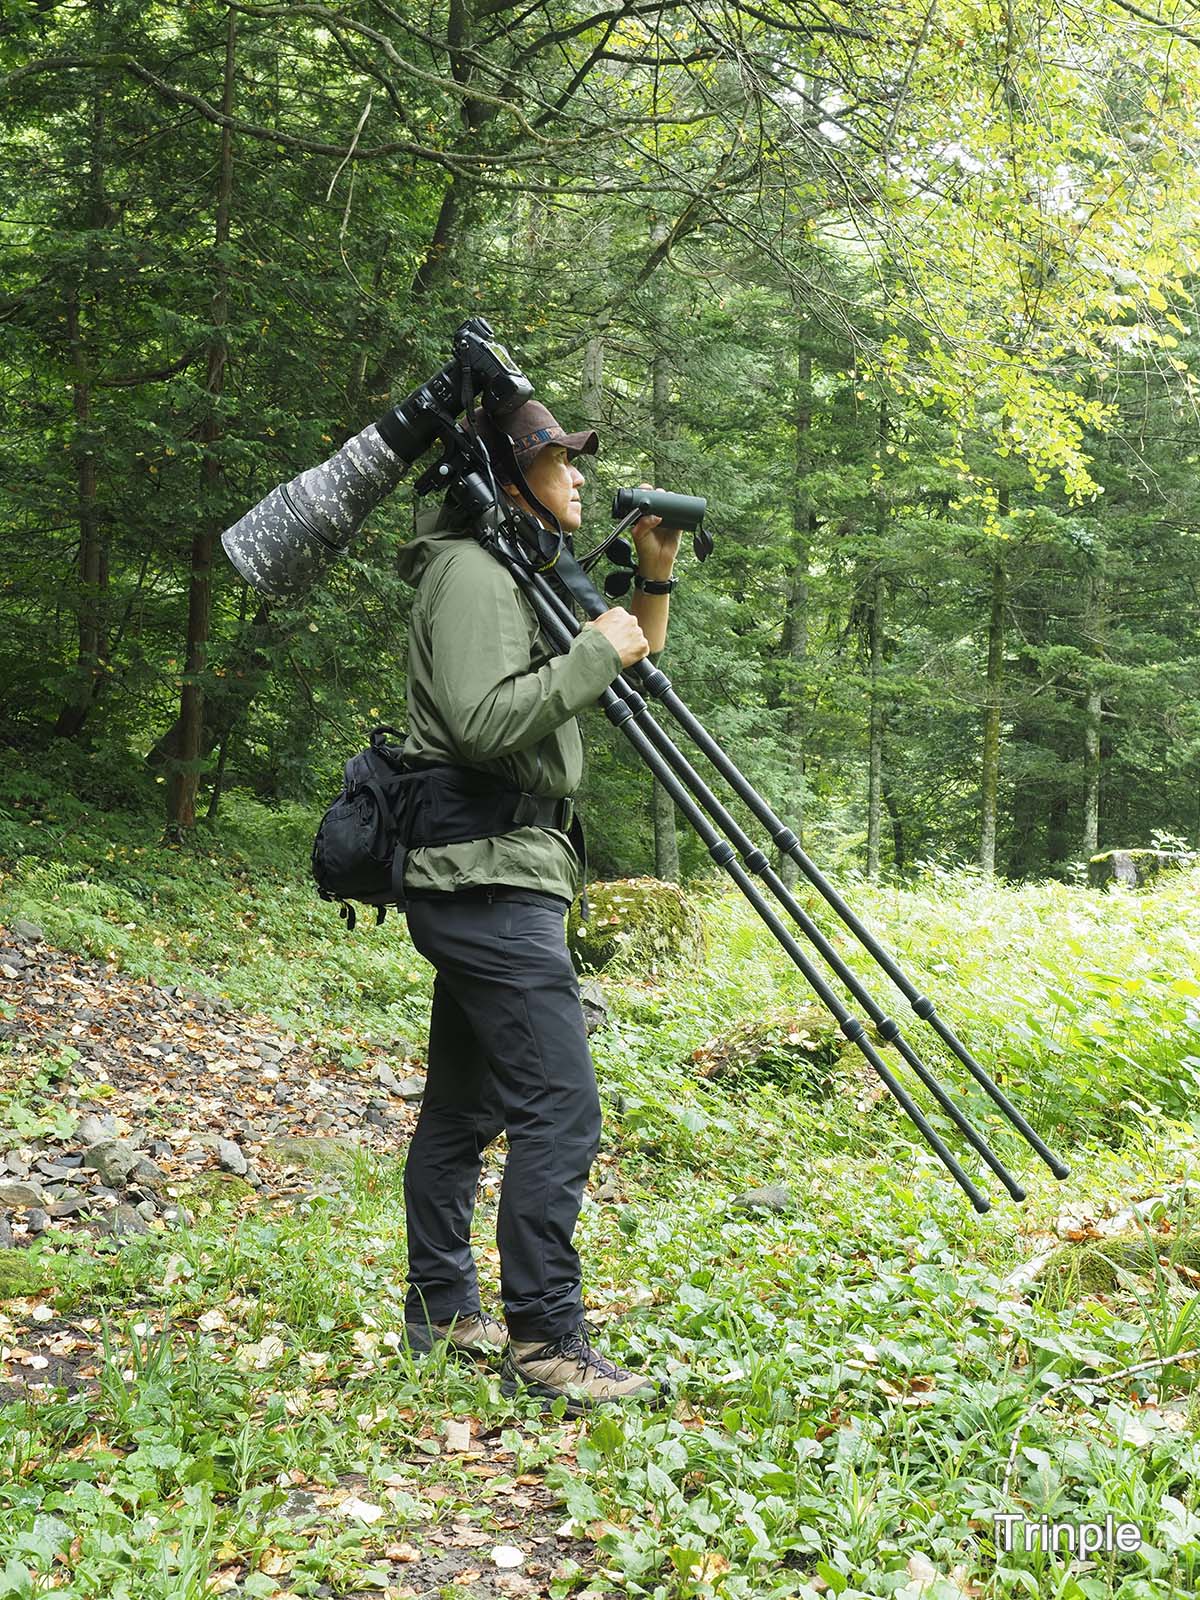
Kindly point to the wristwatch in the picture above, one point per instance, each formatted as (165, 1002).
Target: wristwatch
(653, 585)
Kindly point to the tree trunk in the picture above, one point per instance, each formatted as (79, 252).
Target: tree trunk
(184, 771)
(1093, 712)
(91, 660)
(990, 766)
(666, 840)
(893, 810)
(591, 407)
(793, 642)
(875, 639)
(875, 736)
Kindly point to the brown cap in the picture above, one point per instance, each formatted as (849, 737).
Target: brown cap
(531, 428)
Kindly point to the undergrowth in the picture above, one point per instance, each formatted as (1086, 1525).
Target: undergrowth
(861, 1381)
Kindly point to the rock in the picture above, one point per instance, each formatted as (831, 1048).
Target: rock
(147, 1173)
(215, 1185)
(610, 1189)
(161, 1150)
(71, 1205)
(123, 1222)
(322, 1120)
(94, 1130)
(386, 1078)
(6, 1235)
(16, 1164)
(772, 1197)
(13, 959)
(231, 1158)
(332, 1153)
(146, 1209)
(411, 1088)
(23, 1272)
(37, 1220)
(300, 1505)
(26, 932)
(595, 1006)
(54, 1170)
(21, 1194)
(639, 926)
(177, 1216)
(375, 1118)
(1134, 869)
(114, 1160)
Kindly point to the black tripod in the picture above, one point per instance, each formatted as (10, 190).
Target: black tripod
(548, 573)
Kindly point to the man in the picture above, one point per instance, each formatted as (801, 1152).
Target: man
(508, 1047)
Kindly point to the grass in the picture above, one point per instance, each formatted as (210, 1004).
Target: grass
(862, 1382)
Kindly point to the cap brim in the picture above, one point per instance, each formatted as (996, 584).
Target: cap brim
(581, 444)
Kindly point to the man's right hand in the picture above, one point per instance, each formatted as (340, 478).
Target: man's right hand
(623, 630)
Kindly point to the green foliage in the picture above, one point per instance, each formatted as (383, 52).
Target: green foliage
(850, 1376)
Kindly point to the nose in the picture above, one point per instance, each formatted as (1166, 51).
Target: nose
(577, 477)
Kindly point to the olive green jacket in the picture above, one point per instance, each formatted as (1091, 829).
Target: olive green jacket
(485, 691)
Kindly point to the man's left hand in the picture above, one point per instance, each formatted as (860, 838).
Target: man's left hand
(656, 546)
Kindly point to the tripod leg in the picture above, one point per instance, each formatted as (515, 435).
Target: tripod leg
(757, 862)
(623, 716)
(658, 685)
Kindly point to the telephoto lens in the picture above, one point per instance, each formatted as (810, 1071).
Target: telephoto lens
(289, 537)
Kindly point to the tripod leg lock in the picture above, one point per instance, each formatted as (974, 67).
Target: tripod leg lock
(785, 839)
(888, 1028)
(722, 852)
(618, 712)
(656, 683)
(853, 1029)
(757, 861)
(923, 1006)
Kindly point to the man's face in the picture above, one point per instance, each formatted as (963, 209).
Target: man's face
(556, 483)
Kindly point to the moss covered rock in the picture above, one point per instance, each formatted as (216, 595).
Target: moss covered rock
(640, 926)
(797, 1051)
(1135, 868)
(23, 1272)
(317, 1153)
(214, 1187)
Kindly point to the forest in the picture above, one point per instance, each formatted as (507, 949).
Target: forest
(906, 294)
(906, 291)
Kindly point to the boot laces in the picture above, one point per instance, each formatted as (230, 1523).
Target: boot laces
(578, 1344)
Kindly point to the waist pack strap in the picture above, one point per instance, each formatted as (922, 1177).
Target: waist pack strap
(467, 814)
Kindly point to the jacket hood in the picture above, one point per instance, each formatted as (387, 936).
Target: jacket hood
(435, 531)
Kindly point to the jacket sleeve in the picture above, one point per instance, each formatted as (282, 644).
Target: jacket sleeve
(491, 700)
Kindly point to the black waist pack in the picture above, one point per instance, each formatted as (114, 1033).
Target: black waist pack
(390, 805)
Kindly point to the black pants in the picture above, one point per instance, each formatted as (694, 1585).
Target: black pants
(507, 1050)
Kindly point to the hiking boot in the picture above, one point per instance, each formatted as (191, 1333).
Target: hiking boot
(477, 1337)
(568, 1366)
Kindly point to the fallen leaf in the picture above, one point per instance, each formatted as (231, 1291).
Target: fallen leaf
(362, 1509)
(261, 1355)
(710, 1566)
(457, 1435)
